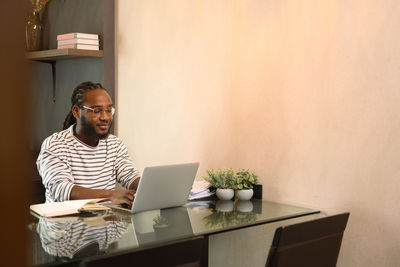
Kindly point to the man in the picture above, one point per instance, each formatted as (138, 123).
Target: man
(85, 160)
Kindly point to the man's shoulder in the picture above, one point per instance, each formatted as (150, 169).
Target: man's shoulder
(114, 139)
(115, 142)
(58, 139)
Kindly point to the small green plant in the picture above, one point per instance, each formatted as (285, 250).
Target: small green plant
(160, 221)
(220, 178)
(219, 219)
(244, 180)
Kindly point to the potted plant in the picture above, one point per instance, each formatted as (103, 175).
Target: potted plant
(160, 226)
(243, 184)
(224, 205)
(160, 222)
(222, 180)
(219, 219)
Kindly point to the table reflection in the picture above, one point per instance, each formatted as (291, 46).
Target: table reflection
(228, 213)
(161, 225)
(70, 239)
(74, 237)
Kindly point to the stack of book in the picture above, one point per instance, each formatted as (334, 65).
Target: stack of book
(200, 189)
(78, 40)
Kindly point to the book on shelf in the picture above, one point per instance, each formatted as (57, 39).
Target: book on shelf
(77, 35)
(79, 46)
(54, 209)
(78, 41)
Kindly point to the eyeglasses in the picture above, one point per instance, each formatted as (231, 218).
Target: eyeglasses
(99, 110)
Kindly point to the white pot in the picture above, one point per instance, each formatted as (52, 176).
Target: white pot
(225, 194)
(244, 194)
(244, 206)
(224, 205)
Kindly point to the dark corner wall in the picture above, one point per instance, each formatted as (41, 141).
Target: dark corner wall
(63, 17)
(60, 16)
(15, 157)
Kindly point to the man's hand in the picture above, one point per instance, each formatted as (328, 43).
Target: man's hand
(122, 196)
(116, 196)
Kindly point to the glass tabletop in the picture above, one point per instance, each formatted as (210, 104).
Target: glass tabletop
(70, 239)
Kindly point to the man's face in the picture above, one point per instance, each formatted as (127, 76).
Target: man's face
(96, 125)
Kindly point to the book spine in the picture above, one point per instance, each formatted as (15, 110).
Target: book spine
(78, 41)
(77, 35)
(78, 46)
(65, 36)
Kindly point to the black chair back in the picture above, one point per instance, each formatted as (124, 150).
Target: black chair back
(314, 243)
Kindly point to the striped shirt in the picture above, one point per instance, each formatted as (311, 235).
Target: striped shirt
(65, 161)
(65, 239)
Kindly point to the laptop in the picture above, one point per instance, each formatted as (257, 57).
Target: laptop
(163, 187)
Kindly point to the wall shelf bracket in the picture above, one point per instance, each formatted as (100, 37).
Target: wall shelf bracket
(53, 74)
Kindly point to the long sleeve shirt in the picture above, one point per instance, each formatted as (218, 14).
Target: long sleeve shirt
(65, 161)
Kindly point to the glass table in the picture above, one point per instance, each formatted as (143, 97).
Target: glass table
(69, 240)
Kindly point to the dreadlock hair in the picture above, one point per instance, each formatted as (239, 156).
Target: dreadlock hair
(78, 98)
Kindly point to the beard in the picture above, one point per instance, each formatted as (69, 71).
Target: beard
(89, 130)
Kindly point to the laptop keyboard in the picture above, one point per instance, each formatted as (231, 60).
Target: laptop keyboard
(126, 206)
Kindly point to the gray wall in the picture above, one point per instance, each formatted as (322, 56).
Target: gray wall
(59, 17)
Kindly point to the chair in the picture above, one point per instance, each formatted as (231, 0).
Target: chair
(312, 243)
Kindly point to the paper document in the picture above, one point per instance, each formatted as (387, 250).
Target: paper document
(200, 189)
(54, 209)
(199, 204)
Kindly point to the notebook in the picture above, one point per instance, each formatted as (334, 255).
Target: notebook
(54, 209)
(163, 187)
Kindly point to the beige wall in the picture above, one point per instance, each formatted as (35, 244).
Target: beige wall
(306, 93)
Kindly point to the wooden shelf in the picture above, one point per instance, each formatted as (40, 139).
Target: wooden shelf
(59, 54)
(51, 57)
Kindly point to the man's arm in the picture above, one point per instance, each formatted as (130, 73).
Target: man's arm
(116, 196)
(58, 180)
(134, 185)
(56, 175)
(126, 172)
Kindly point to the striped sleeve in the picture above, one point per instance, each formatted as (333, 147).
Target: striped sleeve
(56, 176)
(65, 239)
(126, 171)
